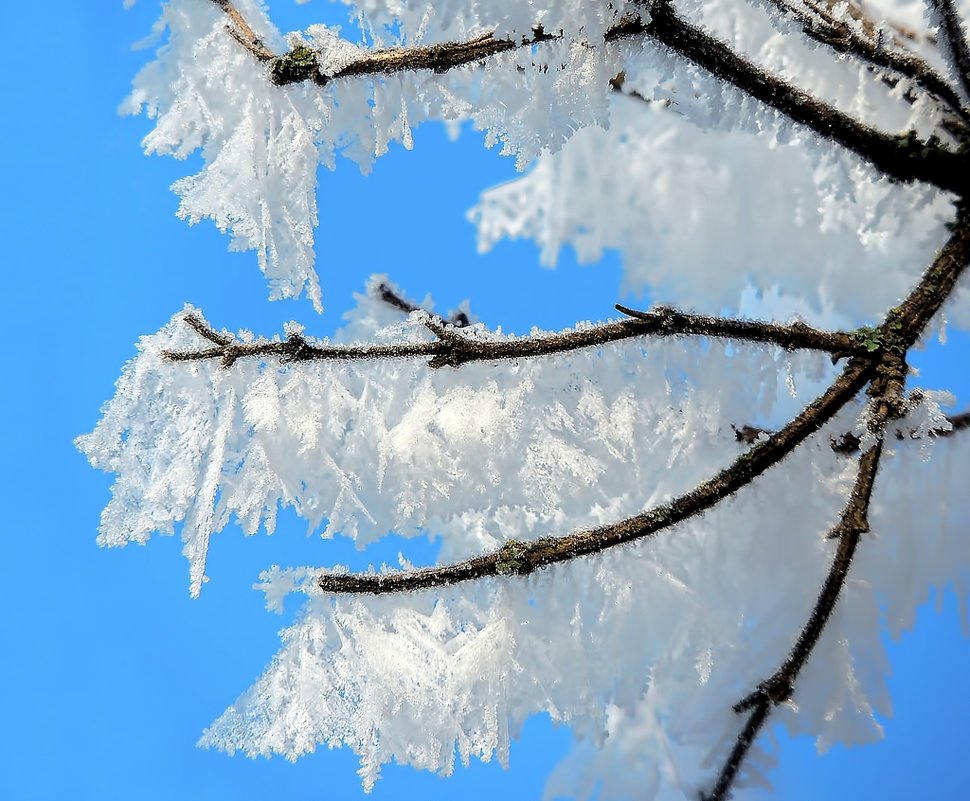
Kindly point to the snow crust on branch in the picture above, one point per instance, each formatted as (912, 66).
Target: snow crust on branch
(261, 144)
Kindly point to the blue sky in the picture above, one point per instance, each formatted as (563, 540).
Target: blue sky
(111, 671)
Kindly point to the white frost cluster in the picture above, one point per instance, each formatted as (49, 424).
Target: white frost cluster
(261, 145)
(724, 211)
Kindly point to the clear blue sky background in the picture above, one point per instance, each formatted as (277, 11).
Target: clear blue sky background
(110, 671)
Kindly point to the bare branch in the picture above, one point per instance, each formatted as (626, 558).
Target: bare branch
(523, 558)
(454, 349)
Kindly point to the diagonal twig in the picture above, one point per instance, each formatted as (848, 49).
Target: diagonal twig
(241, 31)
(822, 26)
(899, 332)
(779, 687)
(524, 558)
(952, 41)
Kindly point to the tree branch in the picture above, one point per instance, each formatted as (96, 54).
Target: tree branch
(524, 558)
(952, 41)
(849, 443)
(454, 349)
(779, 687)
(836, 34)
(391, 298)
(898, 333)
(240, 30)
(903, 158)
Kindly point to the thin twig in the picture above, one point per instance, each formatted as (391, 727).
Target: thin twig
(779, 687)
(453, 349)
(849, 443)
(903, 158)
(241, 31)
(459, 319)
(898, 333)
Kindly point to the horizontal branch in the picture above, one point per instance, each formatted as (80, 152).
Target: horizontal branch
(454, 349)
(524, 558)
(301, 65)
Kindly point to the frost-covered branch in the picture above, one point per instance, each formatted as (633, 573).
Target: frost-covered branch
(397, 301)
(898, 333)
(849, 443)
(825, 28)
(301, 64)
(904, 158)
(523, 558)
(952, 41)
(454, 349)
(779, 687)
(242, 32)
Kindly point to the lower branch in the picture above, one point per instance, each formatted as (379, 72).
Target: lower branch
(523, 558)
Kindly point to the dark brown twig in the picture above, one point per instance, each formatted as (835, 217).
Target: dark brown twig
(849, 443)
(897, 334)
(453, 349)
(459, 319)
(903, 158)
(779, 687)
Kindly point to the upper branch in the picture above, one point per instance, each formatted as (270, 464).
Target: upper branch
(454, 349)
(822, 26)
(903, 158)
(953, 41)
